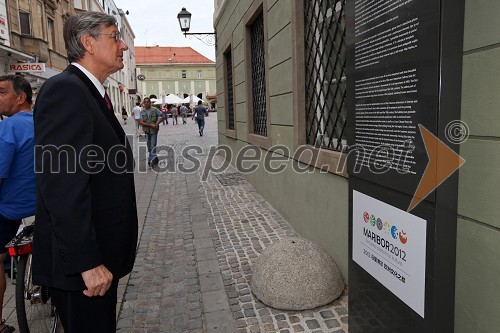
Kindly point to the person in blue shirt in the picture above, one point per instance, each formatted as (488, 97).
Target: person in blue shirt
(150, 121)
(17, 175)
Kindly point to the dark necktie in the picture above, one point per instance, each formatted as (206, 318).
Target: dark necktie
(108, 101)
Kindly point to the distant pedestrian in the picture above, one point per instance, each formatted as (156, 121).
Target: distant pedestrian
(136, 112)
(164, 111)
(174, 113)
(199, 114)
(124, 117)
(151, 118)
(183, 110)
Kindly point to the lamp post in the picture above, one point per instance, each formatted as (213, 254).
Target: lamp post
(184, 17)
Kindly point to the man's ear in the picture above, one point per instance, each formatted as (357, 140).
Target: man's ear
(21, 98)
(88, 43)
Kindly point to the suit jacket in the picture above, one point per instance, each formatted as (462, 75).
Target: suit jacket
(86, 209)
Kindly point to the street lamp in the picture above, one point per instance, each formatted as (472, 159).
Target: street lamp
(184, 17)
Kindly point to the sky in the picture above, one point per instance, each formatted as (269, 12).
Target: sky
(154, 22)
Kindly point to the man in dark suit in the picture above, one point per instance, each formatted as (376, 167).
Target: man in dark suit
(86, 218)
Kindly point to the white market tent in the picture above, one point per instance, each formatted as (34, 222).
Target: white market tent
(192, 99)
(172, 99)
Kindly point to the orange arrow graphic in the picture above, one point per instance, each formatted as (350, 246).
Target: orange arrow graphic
(443, 162)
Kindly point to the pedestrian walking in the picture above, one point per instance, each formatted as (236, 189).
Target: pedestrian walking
(151, 118)
(164, 111)
(183, 111)
(86, 217)
(124, 117)
(136, 112)
(174, 113)
(199, 114)
(17, 176)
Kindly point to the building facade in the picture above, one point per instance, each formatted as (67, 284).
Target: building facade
(31, 31)
(278, 87)
(35, 28)
(174, 70)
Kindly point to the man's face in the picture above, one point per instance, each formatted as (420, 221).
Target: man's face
(147, 104)
(9, 100)
(109, 51)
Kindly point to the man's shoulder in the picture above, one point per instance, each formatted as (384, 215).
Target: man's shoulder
(17, 125)
(62, 82)
(16, 118)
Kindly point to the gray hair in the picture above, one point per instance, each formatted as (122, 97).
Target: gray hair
(86, 23)
(20, 85)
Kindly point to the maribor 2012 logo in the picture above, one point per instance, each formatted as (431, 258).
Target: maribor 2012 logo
(386, 227)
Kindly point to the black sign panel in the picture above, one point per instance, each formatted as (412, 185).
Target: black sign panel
(393, 84)
(403, 70)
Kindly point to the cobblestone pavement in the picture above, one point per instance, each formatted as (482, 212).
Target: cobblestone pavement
(197, 242)
(196, 251)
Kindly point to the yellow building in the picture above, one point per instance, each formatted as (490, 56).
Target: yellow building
(174, 70)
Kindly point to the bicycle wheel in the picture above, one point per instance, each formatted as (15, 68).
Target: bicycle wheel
(35, 313)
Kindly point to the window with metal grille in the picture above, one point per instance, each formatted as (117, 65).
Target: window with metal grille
(229, 89)
(325, 80)
(258, 76)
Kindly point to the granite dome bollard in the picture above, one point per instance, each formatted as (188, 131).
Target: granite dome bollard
(296, 274)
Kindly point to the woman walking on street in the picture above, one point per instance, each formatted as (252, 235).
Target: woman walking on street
(124, 115)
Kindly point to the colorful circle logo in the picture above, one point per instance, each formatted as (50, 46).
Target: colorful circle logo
(379, 224)
(366, 217)
(394, 232)
(403, 237)
(387, 227)
(372, 220)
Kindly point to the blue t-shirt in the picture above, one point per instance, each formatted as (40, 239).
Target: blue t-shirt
(18, 186)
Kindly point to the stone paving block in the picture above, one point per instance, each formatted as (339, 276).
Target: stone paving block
(208, 266)
(220, 322)
(201, 232)
(205, 254)
(215, 301)
(203, 243)
(312, 324)
(211, 282)
(332, 323)
(341, 311)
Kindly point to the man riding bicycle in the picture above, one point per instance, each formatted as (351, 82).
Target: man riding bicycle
(17, 177)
